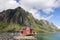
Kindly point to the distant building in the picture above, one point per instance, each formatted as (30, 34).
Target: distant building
(27, 31)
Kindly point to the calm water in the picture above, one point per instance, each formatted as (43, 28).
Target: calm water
(52, 36)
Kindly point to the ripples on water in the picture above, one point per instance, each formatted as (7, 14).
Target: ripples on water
(52, 36)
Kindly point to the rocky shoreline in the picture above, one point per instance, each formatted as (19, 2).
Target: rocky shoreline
(15, 36)
(6, 36)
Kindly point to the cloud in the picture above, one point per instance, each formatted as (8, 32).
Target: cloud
(8, 4)
(46, 6)
(58, 26)
(37, 15)
(32, 6)
(49, 17)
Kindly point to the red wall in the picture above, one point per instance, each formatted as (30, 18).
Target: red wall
(27, 31)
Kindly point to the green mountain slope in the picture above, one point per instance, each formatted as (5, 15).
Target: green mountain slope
(12, 20)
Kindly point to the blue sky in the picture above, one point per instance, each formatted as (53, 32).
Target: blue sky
(56, 18)
(40, 9)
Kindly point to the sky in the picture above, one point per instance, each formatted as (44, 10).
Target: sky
(40, 9)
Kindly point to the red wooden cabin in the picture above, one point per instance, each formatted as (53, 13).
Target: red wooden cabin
(27, 31)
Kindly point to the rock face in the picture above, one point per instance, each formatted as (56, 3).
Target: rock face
(17, 15)
(11, 17)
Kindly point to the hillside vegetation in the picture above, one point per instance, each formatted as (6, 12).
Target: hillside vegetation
(12, 20)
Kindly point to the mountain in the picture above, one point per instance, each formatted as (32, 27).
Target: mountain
(12, 20)
(47, 26)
